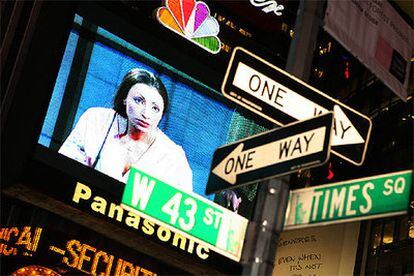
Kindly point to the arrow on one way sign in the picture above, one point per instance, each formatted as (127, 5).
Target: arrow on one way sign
(282, 98)
(299, 145)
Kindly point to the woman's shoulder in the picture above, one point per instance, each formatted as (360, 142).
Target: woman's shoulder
(100, 112)
(97, 119)
(97, 115)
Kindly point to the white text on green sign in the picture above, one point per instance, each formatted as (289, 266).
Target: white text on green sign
(192, 215)
(377, 196)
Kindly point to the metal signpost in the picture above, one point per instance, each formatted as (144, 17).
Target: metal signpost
(282, 98)
(186, 213)
(277, 152)
(358, 199)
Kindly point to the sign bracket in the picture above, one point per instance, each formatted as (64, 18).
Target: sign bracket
(264, 231)
(273, 194)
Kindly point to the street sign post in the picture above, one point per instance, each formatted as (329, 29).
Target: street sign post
(282, 98)
(358, 199)
(277, 152)
(186, 213)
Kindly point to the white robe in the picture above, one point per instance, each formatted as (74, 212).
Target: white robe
(164, 160)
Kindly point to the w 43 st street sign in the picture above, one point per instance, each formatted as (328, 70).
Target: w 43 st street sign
(282, 98)
(186, 213)
(303, 144)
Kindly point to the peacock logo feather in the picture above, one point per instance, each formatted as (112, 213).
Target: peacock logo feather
(193, 21)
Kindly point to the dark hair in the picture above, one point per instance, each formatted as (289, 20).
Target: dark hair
(133, 77)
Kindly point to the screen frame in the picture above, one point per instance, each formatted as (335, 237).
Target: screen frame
(34, 105)
(111, 22)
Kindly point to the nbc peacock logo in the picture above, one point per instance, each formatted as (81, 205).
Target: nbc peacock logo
(193, 21)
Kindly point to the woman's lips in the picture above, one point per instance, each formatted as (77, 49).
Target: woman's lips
(142, 123)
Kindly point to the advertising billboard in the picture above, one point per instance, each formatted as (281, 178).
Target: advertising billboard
(49, 251)
(115, 106)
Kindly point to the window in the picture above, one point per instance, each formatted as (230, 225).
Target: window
(376, 236)
(388, 236)
(403, 228)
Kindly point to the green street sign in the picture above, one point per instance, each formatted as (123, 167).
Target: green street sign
(358, 199)
(186, 213)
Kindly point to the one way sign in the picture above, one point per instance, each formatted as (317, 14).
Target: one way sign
(282, 98)
(303, 144)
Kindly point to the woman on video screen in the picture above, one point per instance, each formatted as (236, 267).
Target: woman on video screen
(114, 140)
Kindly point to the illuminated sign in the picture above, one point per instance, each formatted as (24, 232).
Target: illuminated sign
(280, 151)
(98, 204)
(18, 241)
(29, 241)
(189, 214)
(281, 98)
(370, 197)
(191, 20)
(35, 270)
(91, 260)
(268, 6)
(185, 162)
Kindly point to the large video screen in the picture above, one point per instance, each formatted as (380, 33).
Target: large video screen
(115, 106)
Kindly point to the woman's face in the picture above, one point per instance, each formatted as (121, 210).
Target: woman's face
(144, 107)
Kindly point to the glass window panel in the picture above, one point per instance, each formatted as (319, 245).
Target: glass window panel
(411, 231)
(404, 227)
(376, 236)
(388, 236)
